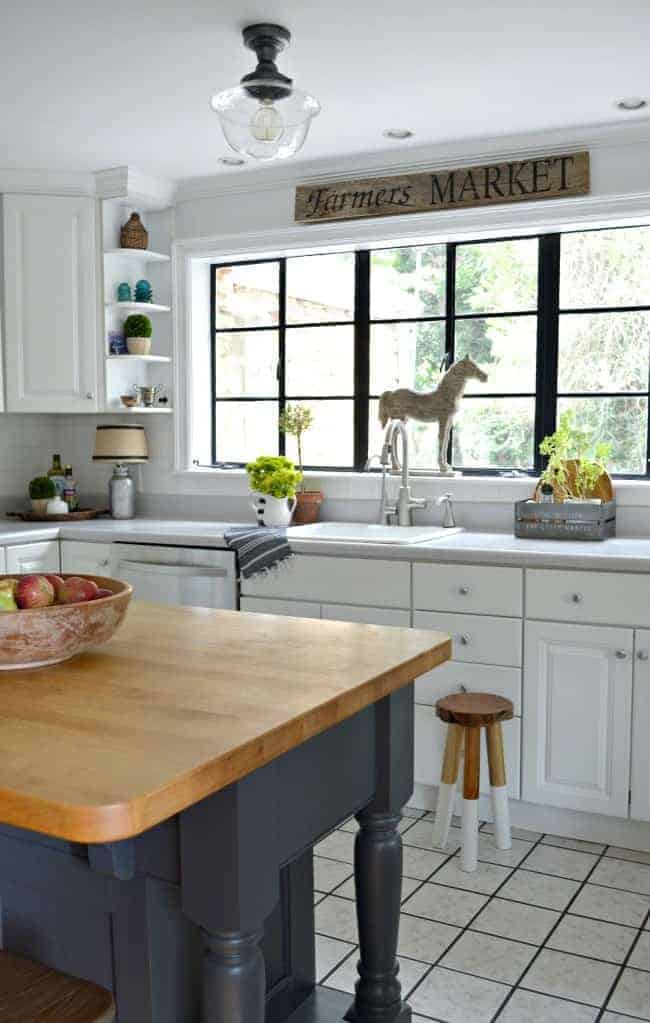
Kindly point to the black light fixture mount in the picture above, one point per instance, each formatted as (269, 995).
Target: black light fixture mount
(266, 82)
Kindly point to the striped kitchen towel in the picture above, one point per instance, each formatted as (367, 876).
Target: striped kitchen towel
(258, 548)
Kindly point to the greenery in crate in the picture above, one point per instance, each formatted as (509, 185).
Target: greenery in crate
(137, 325)
(567, 444)
(42, 488)
(296, 420)
(274, 475)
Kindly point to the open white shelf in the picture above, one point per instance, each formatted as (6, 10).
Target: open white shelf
(139, 411)
(149, 307)
(142, 255)
(138, 358)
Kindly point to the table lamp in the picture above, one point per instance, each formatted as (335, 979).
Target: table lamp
(123, 445)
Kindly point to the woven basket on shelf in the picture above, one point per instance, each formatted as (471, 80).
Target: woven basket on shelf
(134, 235)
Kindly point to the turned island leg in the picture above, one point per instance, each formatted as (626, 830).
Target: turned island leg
(234, 981)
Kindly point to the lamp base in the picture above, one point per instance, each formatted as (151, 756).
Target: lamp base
(121, 493)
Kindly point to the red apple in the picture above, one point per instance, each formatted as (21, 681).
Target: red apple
(76, 590)
(103, 592)
(57, 583)
(34, 591)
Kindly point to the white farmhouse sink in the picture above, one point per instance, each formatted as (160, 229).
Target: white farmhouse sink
(362, 532)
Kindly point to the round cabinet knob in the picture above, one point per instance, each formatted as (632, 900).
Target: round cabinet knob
(576, 598)
(105, 563)
(621, 654)
(463, 590)
(89, 395)
(643, 655)
(462, 688)
(463, 639)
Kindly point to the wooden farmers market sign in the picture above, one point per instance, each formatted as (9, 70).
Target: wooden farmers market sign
(546, 177)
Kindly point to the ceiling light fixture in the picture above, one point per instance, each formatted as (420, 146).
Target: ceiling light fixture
(632, 103)
(398, 133)
(265, 116)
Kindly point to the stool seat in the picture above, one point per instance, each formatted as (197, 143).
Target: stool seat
(33, 993)
(474, 710)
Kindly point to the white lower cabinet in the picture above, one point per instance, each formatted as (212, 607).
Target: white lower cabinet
(430, 735)
(85, 558)
(640, 786)
(578, 706)
(292, 608)
(366, 615)
(33, 557)
(477, 638)
(3, 560)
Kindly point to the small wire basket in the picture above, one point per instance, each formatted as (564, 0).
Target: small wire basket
(569, 520)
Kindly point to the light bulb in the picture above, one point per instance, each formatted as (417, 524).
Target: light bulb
(267, 124)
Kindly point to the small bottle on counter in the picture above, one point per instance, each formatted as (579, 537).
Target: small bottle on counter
(70, 495)
(56, 474)
(546, 494)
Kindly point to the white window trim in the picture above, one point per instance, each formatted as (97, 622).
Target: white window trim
(189, 255)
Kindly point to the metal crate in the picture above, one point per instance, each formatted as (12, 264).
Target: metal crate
(567, 521)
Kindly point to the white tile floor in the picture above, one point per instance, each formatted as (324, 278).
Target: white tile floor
(555, 930)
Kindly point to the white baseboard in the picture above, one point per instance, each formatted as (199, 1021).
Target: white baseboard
(592, 827)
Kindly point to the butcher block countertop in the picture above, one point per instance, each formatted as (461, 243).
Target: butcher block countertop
(179, 704)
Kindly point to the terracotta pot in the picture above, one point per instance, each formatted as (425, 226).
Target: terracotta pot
(46, 635)
(138, 345)
(308, 504)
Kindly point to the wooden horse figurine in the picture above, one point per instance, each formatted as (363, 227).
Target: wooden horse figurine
(438, 406)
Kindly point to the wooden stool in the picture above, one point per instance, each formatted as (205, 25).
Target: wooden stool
(33, 993)
(466, 714)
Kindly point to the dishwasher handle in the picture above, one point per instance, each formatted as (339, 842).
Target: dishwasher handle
(162, 568)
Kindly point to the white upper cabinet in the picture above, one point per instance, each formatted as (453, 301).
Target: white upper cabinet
(577, 712)
(51, 303)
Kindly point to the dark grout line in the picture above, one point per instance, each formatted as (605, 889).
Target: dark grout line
(340, 963)
(618, 976)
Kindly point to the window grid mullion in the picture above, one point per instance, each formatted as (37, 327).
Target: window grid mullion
(282, 351)
(548, 304)
(361, 356)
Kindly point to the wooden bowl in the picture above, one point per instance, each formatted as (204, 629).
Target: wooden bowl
(46, 635)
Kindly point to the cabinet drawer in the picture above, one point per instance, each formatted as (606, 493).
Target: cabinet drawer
(430, 735)
(33, 557)
(477, 638)
(84, 557)
(479, 589)
(3, 560)
(359, 581)
(292, 608)
(607, 597)
(477, 678)
(366, 615)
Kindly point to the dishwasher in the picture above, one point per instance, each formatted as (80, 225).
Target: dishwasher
(193, 576)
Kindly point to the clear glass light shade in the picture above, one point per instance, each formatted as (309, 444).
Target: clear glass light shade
(264, 129)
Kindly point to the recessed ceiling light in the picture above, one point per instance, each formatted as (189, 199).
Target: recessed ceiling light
(397, 133)
(632, 103)
(231, 161)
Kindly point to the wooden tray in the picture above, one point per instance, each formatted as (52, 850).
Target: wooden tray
(75, 516)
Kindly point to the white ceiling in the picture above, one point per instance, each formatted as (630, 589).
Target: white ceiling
(87, 85)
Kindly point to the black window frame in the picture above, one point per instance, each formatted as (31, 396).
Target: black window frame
(548, 312)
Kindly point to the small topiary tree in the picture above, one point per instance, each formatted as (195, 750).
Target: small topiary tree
(42, 488)
(137, 325)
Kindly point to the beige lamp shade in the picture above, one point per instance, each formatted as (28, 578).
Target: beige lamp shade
(120, 443)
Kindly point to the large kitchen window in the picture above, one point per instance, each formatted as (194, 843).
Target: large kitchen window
(556, 321)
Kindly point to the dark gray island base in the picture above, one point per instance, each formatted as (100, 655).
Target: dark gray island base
(208, 917)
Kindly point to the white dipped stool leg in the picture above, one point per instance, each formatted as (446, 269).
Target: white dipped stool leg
(471, 781)
(447, 787)
(498, 786)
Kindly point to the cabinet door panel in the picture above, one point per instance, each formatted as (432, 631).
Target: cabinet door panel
(33, 557)
(51, 303)
(430, 735)
(577, 697)
(292, 608)
(640, 805)
(366, 615)
(85, 558)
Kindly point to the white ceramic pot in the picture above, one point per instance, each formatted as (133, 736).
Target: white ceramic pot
(138, 345)
(273, 511)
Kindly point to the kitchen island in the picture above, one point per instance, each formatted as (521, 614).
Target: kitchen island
(160, 797)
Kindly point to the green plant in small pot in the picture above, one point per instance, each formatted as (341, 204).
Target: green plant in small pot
(295, 421)
(137, 329)
(41, 490)
(273, 481)
(575, 464)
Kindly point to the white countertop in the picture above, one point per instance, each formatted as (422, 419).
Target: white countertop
(628, 554)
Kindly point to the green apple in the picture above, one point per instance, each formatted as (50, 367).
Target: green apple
(7, 602)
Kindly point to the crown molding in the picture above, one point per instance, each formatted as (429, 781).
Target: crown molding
(133, 187)
(20, 181)
(412, 159)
